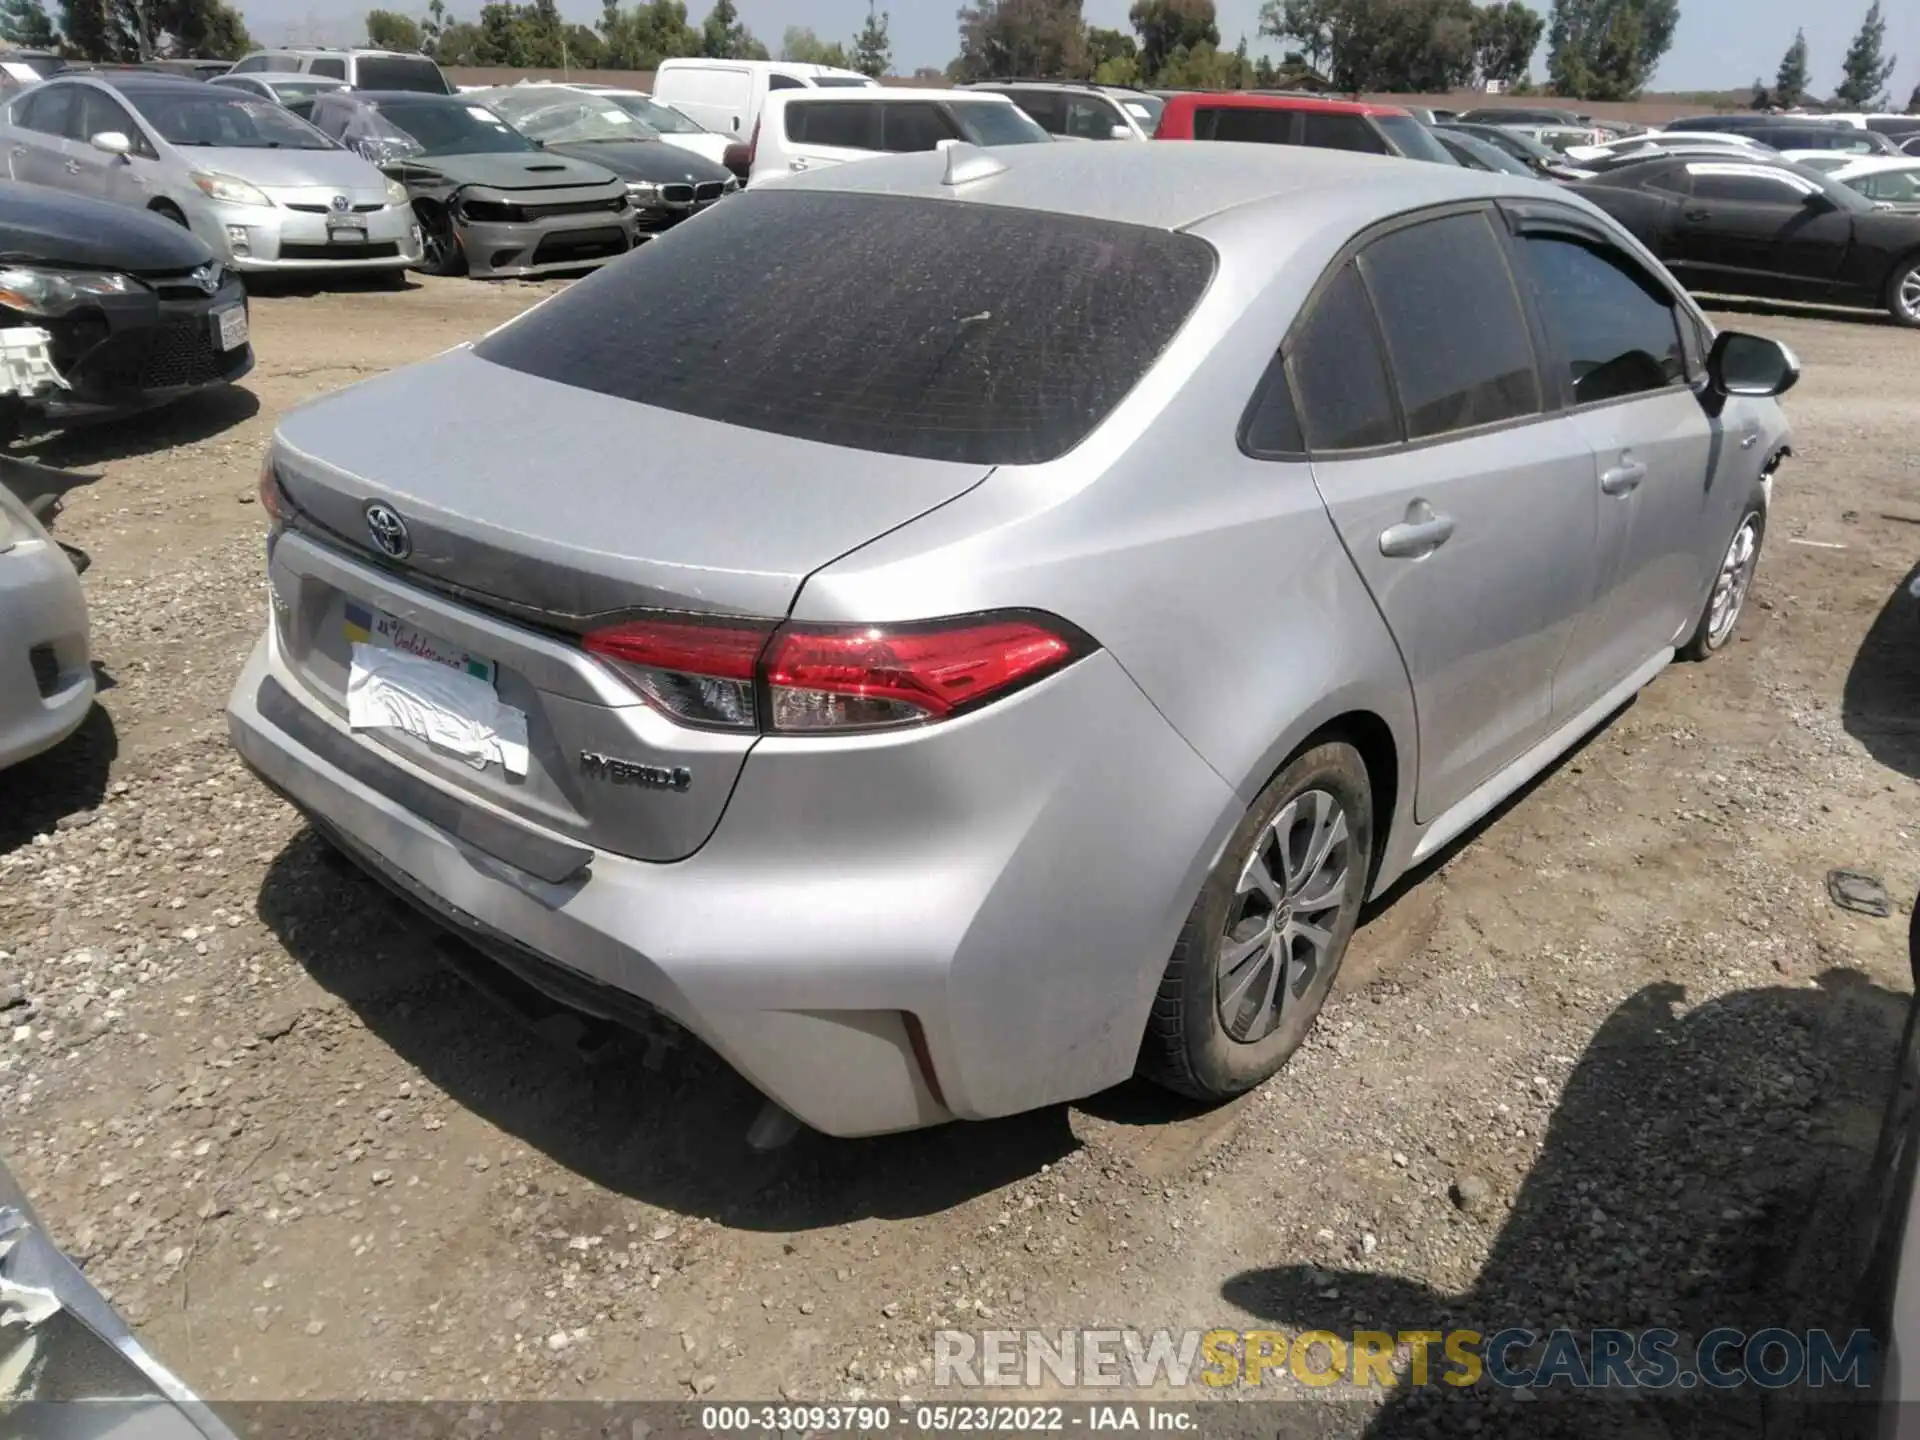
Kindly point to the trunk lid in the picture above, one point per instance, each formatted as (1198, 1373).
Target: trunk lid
(535, 511)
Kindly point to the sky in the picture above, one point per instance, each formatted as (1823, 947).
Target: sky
(1720, 44)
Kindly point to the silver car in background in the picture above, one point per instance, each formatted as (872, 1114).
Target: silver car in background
(263, 188)
(954, 629)
(282, 88)
(46, 670)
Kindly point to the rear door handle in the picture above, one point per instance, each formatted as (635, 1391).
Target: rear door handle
(1749, 437)
(1623, 478)
(1421, 533)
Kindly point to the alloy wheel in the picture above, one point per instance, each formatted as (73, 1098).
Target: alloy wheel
(1284, 914)
(1907, 294)
(1730, 585)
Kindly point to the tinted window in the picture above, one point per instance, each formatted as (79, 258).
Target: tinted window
(1412, 139)
(1613, 324)
(985, 123)
(1047, 107)
(1091, 118)
(1339, 377)
(912, 126)
(1899, 186)
(1456, 335)
(1261, 127)
(1747, 189)
(100, 112)
(200, 115)
(332, 69)
(1339, 132)
(1676, 180)
(907, 326)
(441, 129)
(848, 124)
(1273, 425)
(252, 62)
(400, 72)
(784, 82)
(54, 111)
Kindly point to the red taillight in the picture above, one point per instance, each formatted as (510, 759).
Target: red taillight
(716, 674)
(273, 499)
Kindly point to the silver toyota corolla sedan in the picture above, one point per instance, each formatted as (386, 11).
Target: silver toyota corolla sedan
(262, 187)
(966, 625)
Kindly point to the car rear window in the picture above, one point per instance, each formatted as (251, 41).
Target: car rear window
(906, 326)
(377, 72)
(1259, 126)
(1412, 139)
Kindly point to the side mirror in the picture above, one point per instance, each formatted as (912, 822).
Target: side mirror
(1120, 132)
(1742, 364)
(112, 142)
(1817, 200)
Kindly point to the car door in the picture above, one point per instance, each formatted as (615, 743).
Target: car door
(37, 150)
(1467, 507)
(1619, 359)
(1759, 221)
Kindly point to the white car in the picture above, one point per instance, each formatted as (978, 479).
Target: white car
(1889, 180)
(808, 129)
(672, 126)
(726, 96)
(1657, 140)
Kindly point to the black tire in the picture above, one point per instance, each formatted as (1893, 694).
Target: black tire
(1707, 639)
(166, 210)
(390, 280)
(1903, 292)
(440, 252)
(1189, 1047)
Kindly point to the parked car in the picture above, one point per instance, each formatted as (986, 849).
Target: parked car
(903, 547)
(1891, 181)
(1826, 161)
(665, 184)
(1300, 120)
(669, 124)
(1541, 159)
(1748, 227)
(1521, 115)
(46, 668)
(137, 311)
(806, 130)
(1082, 112)
(726, 96)
(1561, 138)
(191, 69)
(361, 69)
(278, 86)
(1478, 154)
(489, 201)
(1743, 120)
(264, 190)
(1729, 141)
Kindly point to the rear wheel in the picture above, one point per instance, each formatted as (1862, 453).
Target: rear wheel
(440, 252)
(1903, 292)
(1260, 949)
(1731, 583)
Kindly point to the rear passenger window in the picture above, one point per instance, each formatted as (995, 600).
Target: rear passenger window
(785, 82)
(1260, 127)
(1047, 107)
(1456, 337)
(847, 124)
(913, 126)
(1339, 132)
(332, 69)
(1745, 189)
(1616, 328)
(1339, 376)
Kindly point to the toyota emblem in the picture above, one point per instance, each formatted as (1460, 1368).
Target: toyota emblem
(388, 531)
(340, 202)
(207, 277)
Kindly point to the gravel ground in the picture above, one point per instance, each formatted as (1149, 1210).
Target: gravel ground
(1614, 1060)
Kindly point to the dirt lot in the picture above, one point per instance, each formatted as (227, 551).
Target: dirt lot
(308, 1161)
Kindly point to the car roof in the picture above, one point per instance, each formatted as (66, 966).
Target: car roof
(134, 82)
(873, 95)
(787, 67)
(1249, 100)
(272, 76)
(1170, 186)
(377, 98)
(355, 50)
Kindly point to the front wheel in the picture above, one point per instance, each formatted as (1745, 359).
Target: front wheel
(1730, 585)
(440, 252)
(1903, 292)
(1259, 951)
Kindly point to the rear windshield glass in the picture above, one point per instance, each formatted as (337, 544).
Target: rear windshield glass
(985, 123)
(390, 73)
(1412, 139)
(839, 82)
(915, 327)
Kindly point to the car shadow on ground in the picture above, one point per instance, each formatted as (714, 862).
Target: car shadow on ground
(186, 421)
(1880, 705)
(68, 780)
(306, 284)
(1702, 1169)
(1791, 309)
(672, 1136)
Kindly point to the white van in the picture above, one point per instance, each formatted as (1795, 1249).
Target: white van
(805, 129)
(726, 95)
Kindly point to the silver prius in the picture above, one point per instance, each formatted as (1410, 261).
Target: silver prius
(262, 187)
(953, 629)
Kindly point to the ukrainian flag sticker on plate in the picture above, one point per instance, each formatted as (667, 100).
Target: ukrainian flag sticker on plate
(364, 625)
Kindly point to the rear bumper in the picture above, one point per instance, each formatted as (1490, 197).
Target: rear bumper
(45, 695)
(1014, 881)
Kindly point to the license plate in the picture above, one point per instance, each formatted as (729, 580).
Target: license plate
(346, 235)
(230, 327)
(375, 627)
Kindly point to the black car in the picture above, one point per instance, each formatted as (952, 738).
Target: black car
(1520, 115)
(137, 310)
(1541, 160)
(1749, 226)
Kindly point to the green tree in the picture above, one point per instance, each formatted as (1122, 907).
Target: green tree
(1105, 46)
(1790, 84)
(1913, 101)
(1607, 49)
(1317, 28)
(26, 23)
(641, 37)
(463, 43)
(432, 27)
(1763, 98)
(801, 44)
(872, 50)
(387, 30)
(1167, 26)
(1865, 72)
(1033, 39)
(1504, 39)
(135, 30)
(724, 37)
